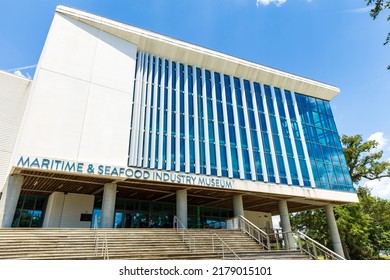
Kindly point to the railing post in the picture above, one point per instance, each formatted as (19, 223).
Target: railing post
(212, 241)
(315, 251)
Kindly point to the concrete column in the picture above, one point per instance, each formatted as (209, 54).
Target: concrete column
(181, 207)
(108, 206)
(54, 209)
(238, 206)
(286, 226)
(9, 199)
(334, 232)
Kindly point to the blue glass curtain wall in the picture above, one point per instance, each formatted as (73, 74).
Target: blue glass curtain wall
(194, 120)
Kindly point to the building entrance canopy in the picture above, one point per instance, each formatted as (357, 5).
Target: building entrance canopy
(45, 182)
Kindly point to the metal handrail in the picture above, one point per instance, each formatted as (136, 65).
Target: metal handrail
(253, 231)
(312, 248)
(185, 233)
(104, 254)
(223, 247)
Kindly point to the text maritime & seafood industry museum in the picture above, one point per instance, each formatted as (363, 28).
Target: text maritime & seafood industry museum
(126, 128)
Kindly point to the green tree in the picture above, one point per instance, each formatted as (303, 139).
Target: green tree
(379, 6)
(365, 226)
(363, 160)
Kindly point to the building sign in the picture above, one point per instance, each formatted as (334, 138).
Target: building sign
(122, 172)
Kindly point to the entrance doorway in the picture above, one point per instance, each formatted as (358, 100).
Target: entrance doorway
(125, 219)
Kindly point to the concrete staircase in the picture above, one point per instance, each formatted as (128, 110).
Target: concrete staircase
(79, 244)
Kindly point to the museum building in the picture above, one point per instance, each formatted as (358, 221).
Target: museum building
(126, 126)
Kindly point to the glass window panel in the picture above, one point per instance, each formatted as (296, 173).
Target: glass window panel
(340, 175)
(248, 97)
(295, 130)
(281, 167)
(228, 90)
(257, 160)
(232, 136)
(221, 133)
(245, 157)
(244, 140)
(304, 170)
(252, 122)
(293, 168)
(291, 112)
(274, 126)
(326, 154)
(278, 147)
(327, 108)
(270, 167)
(289, 150)
(210, 109)
(266, 144)
(317, 152)
(255, 140)
(282, 114)
(334, 156)
(191, 127)
(263, 123)
(234, 159)
(321, 136)
(212, 155)
(222, 151)
(192, 151)
(211, 131)
(230, 114)
(241, 119)
(220, 111)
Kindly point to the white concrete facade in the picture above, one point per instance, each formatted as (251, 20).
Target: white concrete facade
(79, 105)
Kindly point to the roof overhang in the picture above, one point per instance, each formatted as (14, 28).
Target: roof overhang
(177, 50)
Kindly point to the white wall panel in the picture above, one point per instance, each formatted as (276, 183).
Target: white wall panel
(13, 97)
(74, 206)
(53, 121)
(106, 128)
(80, 103)
(70, 48)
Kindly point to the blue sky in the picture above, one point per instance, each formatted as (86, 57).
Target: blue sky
(332, 41)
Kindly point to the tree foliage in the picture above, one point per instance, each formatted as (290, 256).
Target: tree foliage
(364, 227)
(379, 6)
(363, 160)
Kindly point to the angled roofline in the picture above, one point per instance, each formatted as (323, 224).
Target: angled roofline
(187, 53)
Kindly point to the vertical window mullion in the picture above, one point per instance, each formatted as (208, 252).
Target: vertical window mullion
(147, 114)
(136, 111)
(154, 114)
(258, 133)
(226, 127)
(247, 130)
(292, 138)
(307, 158)
(205, 122)
(186, 121)
(216, 134)
(161, 130)
(280, 133)
(177, 128)
(237, 129)
(196, 127)
(169, 117)
(269, 129)
(142, 106)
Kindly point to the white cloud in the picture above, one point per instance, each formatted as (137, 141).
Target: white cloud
(380, 138)
(380, 188)
(19, 73)
(360, 10)
(278, 3)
